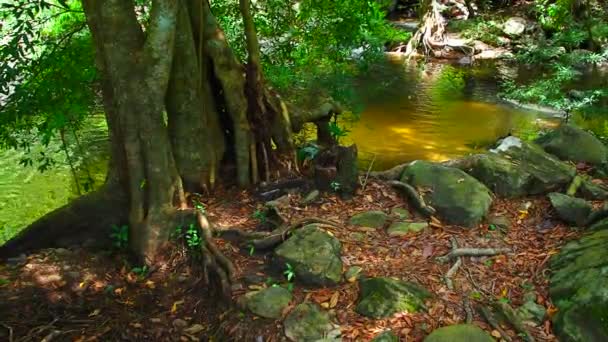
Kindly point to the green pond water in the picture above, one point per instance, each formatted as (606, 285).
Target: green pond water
(435, 112)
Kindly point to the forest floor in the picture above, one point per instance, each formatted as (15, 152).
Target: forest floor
(76, 295)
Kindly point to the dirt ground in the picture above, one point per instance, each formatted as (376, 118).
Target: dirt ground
(77, 295)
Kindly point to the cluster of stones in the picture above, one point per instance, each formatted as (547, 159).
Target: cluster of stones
(461, 192)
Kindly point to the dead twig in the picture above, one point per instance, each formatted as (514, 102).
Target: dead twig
(461, 252)
(369, 169)
(454, 268)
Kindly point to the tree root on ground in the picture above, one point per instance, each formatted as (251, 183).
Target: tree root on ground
(452, 271)
(509, 314)
(412, 195)
(264, 240)
(489, 317)
(214, 261)
(393, 173)
(460, 252)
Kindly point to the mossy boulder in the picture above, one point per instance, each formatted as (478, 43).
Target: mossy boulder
(459, 333)
(308, 323)
(400, 213)
(269, 302)
(404, 228)
(571, 209)
(592, 191)
(517, 168)
(383, 297)
(457, 197)
(386, 336)
(314, 254)
(568, 142)
(579, 289)
(372, 219)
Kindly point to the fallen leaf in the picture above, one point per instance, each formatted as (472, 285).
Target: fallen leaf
(334, 300)
(175, 304)
(496, 334)
(95, 313)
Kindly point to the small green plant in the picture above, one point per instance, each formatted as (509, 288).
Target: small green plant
(289, 272)
(251, 250)
(259, 215)
(492, 227)
(337, 132)
(4, 282)
(120, 236)
(199, 206)
(475, 295)
(335, 186)
(141, 272)
(504, 300)
(489, 262)
(192, 236)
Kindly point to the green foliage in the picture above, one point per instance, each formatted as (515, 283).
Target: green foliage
(260, 215)
(483, 29)
(289, 272)
(337, 132)
(141, 272)
(311, 42)
(308, 152)
(120, 236)
(190, 236)
(47, 73)
(335, 186)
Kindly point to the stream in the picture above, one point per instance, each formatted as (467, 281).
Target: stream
(434, 112)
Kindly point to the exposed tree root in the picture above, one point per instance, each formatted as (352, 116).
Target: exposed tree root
(90, 217)
(431, 36)
(393, 173)
(414, 197)
(489, 317)
(509, 314)
(452, 271)
(460, 252)
(263, 241)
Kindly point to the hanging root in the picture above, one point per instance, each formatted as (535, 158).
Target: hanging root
(413, 196)
(214, 261)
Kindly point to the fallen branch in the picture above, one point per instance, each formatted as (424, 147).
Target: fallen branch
(466, 302)
(454, 268)
(460, 252)
(489, 317)
(412, 195)
(369, 169)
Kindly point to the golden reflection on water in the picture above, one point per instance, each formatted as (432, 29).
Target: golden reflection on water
(432, 124)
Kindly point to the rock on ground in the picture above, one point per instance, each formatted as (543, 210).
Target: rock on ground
(307, 323)
(579, 289)
(571, 209)
(572, 143)
(372, 219)
(269, 302)
(383, 297)
(403, 228)
(459, 333)
(457, 197)
(386, 336)
(314, 255)
(515, 26)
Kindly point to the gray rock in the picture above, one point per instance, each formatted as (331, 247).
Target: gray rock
(314, 255)
(403, 228)
(372, 219)
(386, 336)
(311, 197)
(571, 209)
(530, 311)
(572, 143)
(515, 26)
(400, 213)
(457, 197)
(307, 323)
(383, 297)
(578, 289)
(269, 302)
(459, 333)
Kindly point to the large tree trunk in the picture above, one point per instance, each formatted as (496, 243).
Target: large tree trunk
(179, 106)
